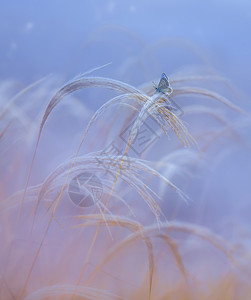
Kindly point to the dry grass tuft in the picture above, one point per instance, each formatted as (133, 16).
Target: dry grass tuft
(123, 246)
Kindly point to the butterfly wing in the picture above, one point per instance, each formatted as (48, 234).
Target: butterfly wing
(163, 83)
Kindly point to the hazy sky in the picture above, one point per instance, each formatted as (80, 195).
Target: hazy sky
(42, 37)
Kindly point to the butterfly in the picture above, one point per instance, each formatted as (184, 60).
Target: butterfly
(164, 85)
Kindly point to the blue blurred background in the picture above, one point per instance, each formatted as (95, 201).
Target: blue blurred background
(69, 37)
(141, 39)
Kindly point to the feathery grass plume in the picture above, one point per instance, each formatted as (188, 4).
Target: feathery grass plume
(122, 244)
(81, 82)
(133, 172)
